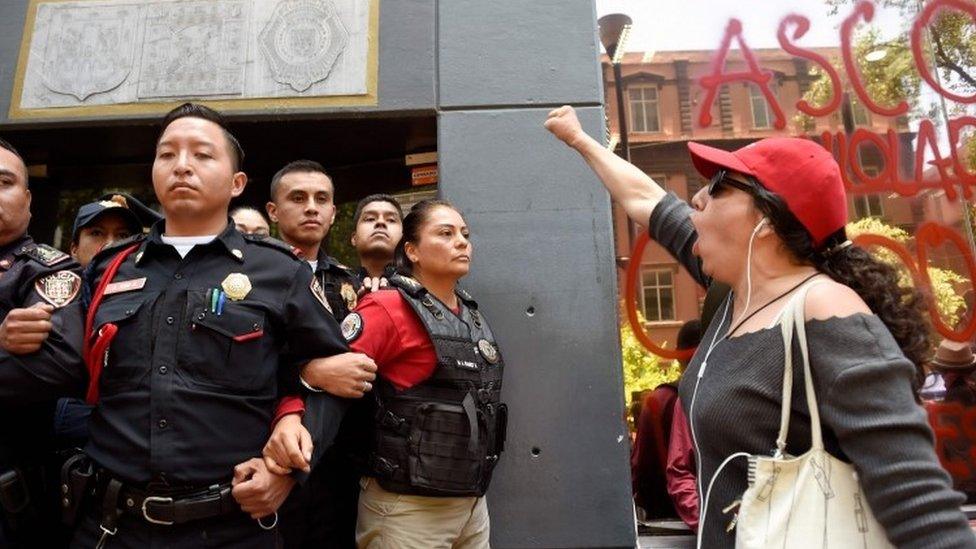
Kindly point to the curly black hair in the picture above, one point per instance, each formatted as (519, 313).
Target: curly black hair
(903, 310)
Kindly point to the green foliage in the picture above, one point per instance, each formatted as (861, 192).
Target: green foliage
(888, 80)
(945, 282)
(952, 39)
(643, 370)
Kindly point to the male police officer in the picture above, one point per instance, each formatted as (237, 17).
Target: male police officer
(323, 512)
(39, 286)
(194, 328)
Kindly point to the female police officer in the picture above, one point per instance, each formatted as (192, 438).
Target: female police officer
(440, 424)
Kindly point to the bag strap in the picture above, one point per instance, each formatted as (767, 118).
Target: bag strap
(792, 318)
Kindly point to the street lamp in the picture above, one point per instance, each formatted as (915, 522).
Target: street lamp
(614, 30)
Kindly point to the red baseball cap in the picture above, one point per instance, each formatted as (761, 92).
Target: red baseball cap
(801, 171)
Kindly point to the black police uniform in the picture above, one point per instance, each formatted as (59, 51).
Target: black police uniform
(33, 273)
(190, 384)
(443, 436)
(321, 514)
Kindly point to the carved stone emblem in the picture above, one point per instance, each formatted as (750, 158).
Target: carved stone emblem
(89, 49)
(302, 41)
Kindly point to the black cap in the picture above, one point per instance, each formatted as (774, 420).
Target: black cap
(136, 214)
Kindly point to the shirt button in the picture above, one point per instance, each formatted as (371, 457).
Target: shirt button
(163, 370)
(178, 276)
(169, 320)
(162, 423)
(201, 316)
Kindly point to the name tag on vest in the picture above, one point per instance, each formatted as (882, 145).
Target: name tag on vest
(125, 286)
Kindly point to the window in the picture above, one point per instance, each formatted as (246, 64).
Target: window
(760, 109)
(657, 294)
(859, 113)
(643, 109)
(867, 205)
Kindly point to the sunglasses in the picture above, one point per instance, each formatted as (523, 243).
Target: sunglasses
(722, 178)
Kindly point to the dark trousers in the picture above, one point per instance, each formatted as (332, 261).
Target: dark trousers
(321, 514)
(236, 530)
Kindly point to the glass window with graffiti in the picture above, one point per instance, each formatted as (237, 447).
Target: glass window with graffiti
(887, 87)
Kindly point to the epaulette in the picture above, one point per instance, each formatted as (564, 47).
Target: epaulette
(465, 297)
(44, 254)
(273, 243)
(409, 284)
(117, 246)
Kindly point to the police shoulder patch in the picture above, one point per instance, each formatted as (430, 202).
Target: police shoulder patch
(45, 255)
(58, 288)
(352, 326)
(319, 292)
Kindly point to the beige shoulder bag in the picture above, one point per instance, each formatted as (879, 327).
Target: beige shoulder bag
(812, 500)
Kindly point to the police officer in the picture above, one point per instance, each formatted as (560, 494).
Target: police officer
(113, 217)
(193, 331)
(39, 288)
(379, 226)
(250, 221)
(439, 424)
(322, 513)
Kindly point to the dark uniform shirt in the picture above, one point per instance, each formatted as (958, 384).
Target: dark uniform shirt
(340, 282)
(322, 513)
(30, 274)
(188, 389)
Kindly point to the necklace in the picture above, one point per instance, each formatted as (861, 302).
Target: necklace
(770, 302)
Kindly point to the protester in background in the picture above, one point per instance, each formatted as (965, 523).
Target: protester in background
(955, 363)
(250, 221)
(770, 220)
(648, 459)
(680, 471)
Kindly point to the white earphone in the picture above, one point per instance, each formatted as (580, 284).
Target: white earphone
(759, 225)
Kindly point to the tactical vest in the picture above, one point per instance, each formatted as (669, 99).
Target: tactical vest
(443, 436)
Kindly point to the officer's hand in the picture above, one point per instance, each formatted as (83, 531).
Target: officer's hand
(349, 375)
(562, 122)
(258, 491)
(373, 283)
(23, 331)
(290, 446)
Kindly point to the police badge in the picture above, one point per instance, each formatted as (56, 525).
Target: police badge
(59, 288)
(236, 286)
(352, 327)
(488, 351)
(348, 294)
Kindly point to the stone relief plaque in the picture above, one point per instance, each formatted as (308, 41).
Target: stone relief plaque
(194, 49)
(105, 53)
(88, 50)
(302, 41)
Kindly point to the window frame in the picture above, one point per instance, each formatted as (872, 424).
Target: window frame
(658, 287)
(632, 128)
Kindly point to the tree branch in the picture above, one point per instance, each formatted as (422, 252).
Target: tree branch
(943, 60)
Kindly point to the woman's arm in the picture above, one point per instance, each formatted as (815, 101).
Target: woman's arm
(870, 407)
(633, 189)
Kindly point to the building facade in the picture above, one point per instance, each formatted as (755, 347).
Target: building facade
(662, 99)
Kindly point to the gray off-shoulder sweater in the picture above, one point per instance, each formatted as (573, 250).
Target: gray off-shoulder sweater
(869, 415)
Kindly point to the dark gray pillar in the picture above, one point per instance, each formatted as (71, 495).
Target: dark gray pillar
(543, 263)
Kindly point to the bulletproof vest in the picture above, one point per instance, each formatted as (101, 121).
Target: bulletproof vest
(443, 436)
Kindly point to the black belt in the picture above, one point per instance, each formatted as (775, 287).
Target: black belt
(175, 508)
